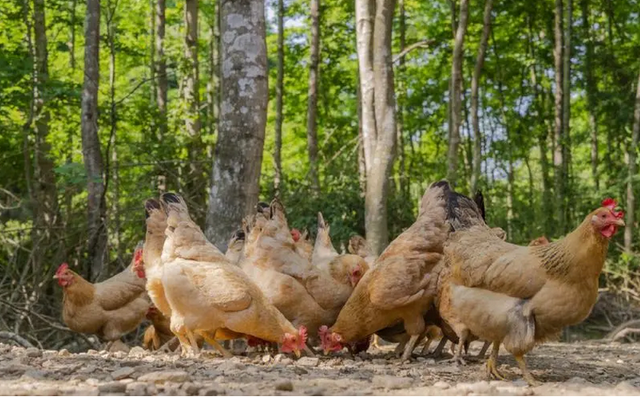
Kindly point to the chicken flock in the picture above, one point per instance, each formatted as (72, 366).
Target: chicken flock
(448, 276)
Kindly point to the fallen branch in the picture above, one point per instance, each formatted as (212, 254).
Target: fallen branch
(419, 44)
(623, 330)
(6, 335)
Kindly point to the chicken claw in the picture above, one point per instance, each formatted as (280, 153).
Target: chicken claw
(492, 363)
(207, 337)
(408, 349)
(526, 375)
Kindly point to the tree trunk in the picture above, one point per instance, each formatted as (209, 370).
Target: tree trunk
(475, 84)
(456, 87)
(362, 166)
(565, 142)
(632, 158)
(161, 69)
(558, 153)
(591, 91)
(312, 101)
(364, 44)
(213, 85)
(243, 117)
(195, 183)
(277, 156)
(46, 213)
(91, 153)
(72, 36)
(403, 182)
(385, 116)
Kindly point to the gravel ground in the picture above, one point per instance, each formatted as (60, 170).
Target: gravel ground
(580, 368)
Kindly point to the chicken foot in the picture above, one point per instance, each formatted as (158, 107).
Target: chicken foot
(210, 340)
(457, 357)
(526, 375)
(492, 362)
(438, 352)
(425, 348)
(408, 349)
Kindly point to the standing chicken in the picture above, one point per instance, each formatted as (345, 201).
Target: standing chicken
(212, 296)
(109, 309)
(400, 286)
(522, 296)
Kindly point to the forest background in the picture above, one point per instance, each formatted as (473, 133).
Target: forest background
(349, 108)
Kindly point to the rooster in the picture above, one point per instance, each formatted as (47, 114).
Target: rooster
(522, 296)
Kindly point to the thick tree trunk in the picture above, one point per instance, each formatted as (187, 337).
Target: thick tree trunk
(195, 182)
(46, 212)
(558, 153)
(456, 100)
(312, 100)
(632, 152)
(91, 153)
(385, 116)
(475, 85)
(364, 44)
(591, 90)
(243, 116)
(277, 153)
(161, 69)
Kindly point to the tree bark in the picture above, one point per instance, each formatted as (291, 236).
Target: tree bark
(195, 183)
(456, 87)
(72, 36)
(565, 142)
(632, 152)
(46, 212)
(385, 119)
(403, 182)
(558, 153)
(312, 99)
(364, 44)
(591, 91)
(243, 116)
(213, 85)
(277, 156)
(475, 84)
(91, 153)
(161, 69)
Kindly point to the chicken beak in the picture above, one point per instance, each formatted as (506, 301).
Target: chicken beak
(297, 353)
(55, 277)
(619, 222)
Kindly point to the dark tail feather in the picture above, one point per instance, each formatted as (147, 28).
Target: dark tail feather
(479, 200)
(150, 205)
(171, 198)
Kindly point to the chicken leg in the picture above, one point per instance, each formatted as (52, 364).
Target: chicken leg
(526, 375)
(408, 349)
(457, 357)
(210, 340)
(484, 349)
(438, 352)
(492, 362)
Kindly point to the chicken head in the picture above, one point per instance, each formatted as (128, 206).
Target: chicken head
(330, 341)
(138, 263)
(295, 343)
(64, 275)
(295, 234)
(606, 219)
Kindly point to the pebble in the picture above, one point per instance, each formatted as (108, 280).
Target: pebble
(300, 371)
(627, 388)
(34, 352)
(391, 382)
(284, 385)
(266, 359)
(137, 351)
(136, 389)
(79, 391)
(122, 373)
(34, 374)
(92, 352)
(64, 353)
(190, 388)
(212, 391)
(441, 385)
(379, 361)
(165, 376)
(316, 391)
(231, 366)
(308, 361)
(112, 387)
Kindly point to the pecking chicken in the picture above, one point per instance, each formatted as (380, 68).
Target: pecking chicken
(109, 309)
(399, 287)
(522, 296)
(211, 297)
(359, 246)
(235, 248)
(158, 333)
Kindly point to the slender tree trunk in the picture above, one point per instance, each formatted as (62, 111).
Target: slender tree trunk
(243, 117)
(558, 154)
(591, 89)
(312, 101)
(72, 36)
(632, 152)
(92, 155)
(365, 10)
(475, 85)
(277, 156)
(456, 103)
(44, 187)
(403, 182)
(385, 116)
(213, 85)
(195, 183)
(161, 69)
(565, 142)
(152, 58)
(362, 166)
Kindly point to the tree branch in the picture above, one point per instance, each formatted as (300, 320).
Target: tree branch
(6, 335)
(419, 44)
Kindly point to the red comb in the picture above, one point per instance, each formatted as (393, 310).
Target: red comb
(62, 268)
(609, 203)
(295, 234)
(137, 254)
(303, 333)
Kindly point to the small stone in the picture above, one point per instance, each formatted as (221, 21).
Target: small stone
(300, 371)
(284, 385)
(33, 352)
(316, 391)
(165, 376)
(391, 382)
(122, 373)
(137, 351)
(212, 391)
(64, 353)
(136, 389)
(379, 361)
(79, 391)
(112, 387)
(286, 361)
(441, 385)
(308, 361)
(520, 383)
(34, 374)
(119, 355)
(229, 365)
(266, 359)
(619, 362)
(190, 388)
(92, 352)
(626, 388)
(44, 391)
(577, 380)
(89, 369)
(92, 382)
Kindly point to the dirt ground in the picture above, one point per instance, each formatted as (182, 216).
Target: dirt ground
(582, 368)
